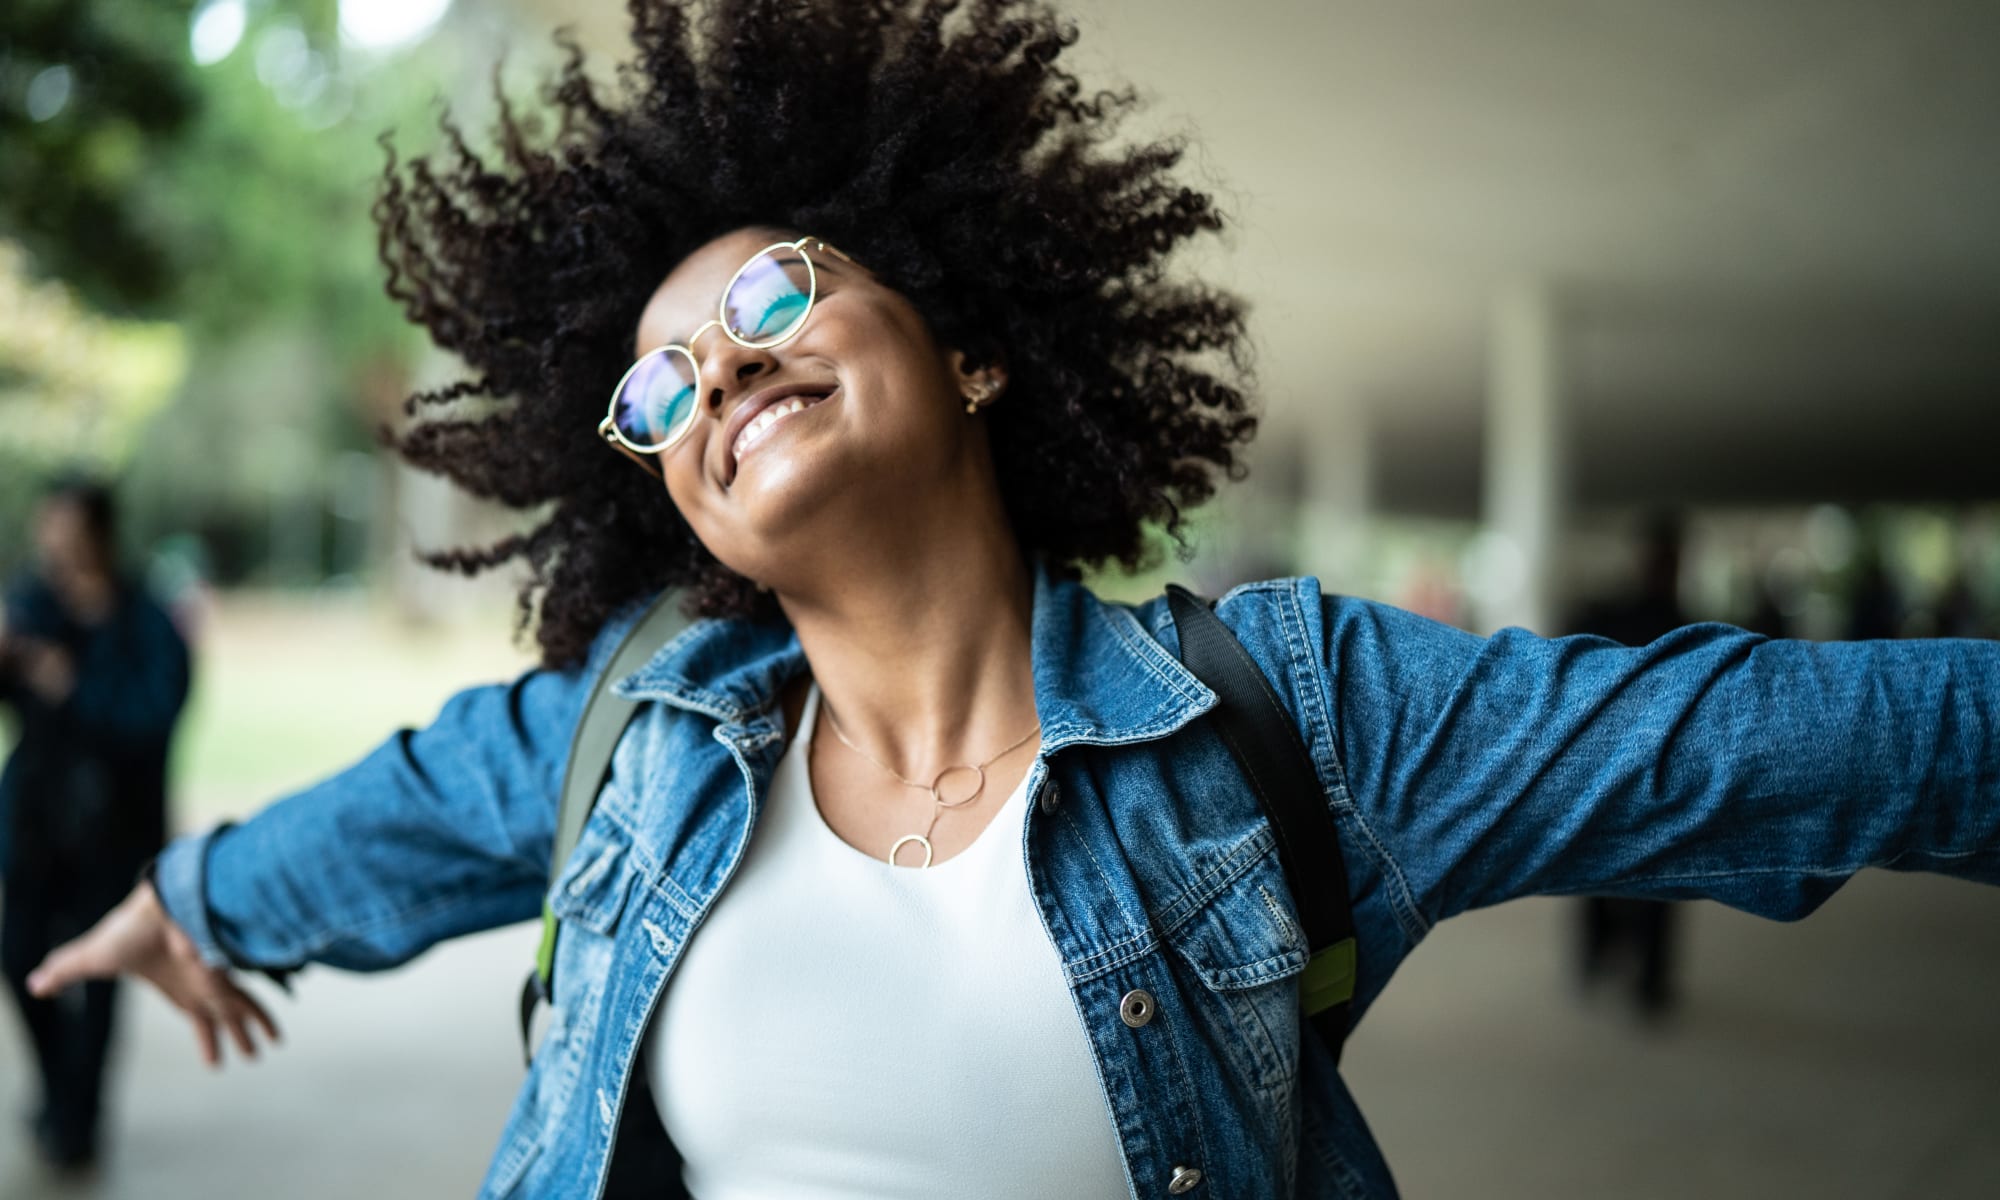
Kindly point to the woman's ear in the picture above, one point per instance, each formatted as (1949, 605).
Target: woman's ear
(979, 385)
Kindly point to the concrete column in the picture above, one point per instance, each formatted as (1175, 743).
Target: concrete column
(1516, 569)
(1337, 489)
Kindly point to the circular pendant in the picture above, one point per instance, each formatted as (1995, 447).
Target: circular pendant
(919, 839)
(967, 780)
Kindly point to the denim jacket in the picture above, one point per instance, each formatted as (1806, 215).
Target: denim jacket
(1461, 771)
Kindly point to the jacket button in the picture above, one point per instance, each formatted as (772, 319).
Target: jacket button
(1183, 1181)
(1136, 1009)
(1050, 797)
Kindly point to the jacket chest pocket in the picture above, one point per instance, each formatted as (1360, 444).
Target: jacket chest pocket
(590, 899)
(1245, 951)
(597, 881)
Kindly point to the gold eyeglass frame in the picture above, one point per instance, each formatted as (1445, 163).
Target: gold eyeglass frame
(608, 427)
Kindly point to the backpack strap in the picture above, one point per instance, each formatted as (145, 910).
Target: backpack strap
(1265, 743)
(605, 717)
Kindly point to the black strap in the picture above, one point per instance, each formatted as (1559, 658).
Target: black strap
(1260, 735)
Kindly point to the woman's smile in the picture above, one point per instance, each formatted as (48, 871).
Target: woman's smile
(757, 428)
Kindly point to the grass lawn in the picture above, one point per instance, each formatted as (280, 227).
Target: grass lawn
(290, 688)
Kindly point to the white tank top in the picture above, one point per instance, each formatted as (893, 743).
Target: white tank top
(841, 1028)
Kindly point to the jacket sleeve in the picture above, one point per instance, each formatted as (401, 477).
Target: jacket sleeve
(1712, 763)
(440, 831)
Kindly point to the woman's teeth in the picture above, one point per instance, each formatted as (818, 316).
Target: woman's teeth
(761, 423)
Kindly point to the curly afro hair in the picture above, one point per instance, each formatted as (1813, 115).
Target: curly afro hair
(939, 143)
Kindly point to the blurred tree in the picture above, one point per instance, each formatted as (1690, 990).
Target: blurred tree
(90, 92)
(211, 164)
(75, 387)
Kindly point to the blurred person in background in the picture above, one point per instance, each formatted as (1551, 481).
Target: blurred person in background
(1617, 932)
(1875, 606)
(1958, 611)
(96, 674)
(883, 319)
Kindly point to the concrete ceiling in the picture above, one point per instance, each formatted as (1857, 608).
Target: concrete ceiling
(1771, 229)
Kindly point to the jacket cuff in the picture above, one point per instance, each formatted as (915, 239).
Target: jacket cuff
(180, 877)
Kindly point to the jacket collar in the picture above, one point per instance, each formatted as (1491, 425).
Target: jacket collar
(1100, 677)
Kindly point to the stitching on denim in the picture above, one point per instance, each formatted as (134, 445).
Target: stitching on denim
(1248, 762)
(1789, 872)
(512, 1164)
(1253, 974)
(320, 939)
(1285, 924)
(699, 699)
(202, 920)
(1118, 953)
(1184, 1094)
(677, 897)
(1402, 900)
(1103, 877)
(1111, 957)
(582, 880)
(757, 741)
(1231, 866)
(1144, 648)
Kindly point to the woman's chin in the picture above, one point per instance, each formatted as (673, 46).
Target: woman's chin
(784, 496)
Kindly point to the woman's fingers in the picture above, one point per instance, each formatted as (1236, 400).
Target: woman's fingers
(204, 1037)
(215, 1000)
(138, 937)
(237, 1022)
(72, 962)
(131, 937)
(261, 1015)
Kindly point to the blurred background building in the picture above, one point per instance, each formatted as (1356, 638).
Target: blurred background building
(1524, 276)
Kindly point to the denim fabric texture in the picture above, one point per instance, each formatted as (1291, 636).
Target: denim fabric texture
(1461, 771)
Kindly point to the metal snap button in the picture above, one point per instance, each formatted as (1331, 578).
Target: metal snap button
(1137, 1007)
(1184, 1180)
(1050, 797)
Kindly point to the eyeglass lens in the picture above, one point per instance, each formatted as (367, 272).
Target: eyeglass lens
(765, 304)
(769, 296)
(657, 400)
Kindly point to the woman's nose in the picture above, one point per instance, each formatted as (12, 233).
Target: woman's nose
(725, 367)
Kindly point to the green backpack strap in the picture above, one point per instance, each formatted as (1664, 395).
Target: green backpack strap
(605, 717)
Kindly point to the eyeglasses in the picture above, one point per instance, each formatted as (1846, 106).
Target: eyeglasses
(766, 303)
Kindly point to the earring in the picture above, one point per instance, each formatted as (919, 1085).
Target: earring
(977, 394)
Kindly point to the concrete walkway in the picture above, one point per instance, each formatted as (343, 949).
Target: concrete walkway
(1854, 1055)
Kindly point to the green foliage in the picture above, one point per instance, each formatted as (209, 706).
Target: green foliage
(213, 195)
(76, 388)
(269, 191)
(75, 182)
(230, 201)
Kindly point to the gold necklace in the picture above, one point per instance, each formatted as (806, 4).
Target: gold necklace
(935, 787)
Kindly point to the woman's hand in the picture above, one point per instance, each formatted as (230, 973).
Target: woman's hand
(139, 938)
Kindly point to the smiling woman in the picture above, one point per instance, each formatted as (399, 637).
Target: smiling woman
(943, 147)
(919, 870)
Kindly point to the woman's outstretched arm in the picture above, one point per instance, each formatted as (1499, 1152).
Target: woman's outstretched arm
(438, 832)
(1712, 763)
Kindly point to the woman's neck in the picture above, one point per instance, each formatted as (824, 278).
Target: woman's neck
(925, 661)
